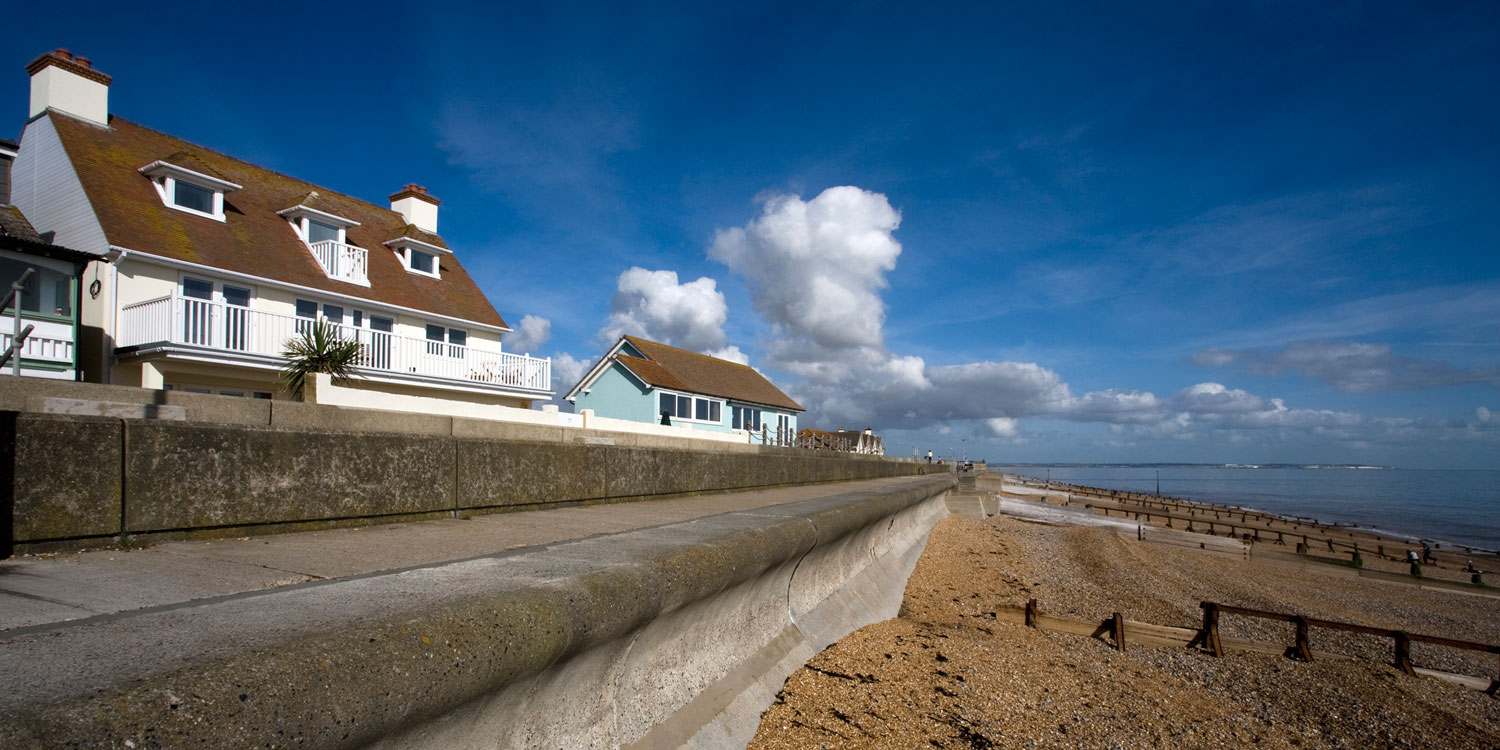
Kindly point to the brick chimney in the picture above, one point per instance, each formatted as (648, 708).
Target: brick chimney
(66, 82)
(419, 208)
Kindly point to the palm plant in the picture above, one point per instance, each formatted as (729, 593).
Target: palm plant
(318, 349)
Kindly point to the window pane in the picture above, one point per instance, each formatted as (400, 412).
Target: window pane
(359, 318)
(380, 324)
(236, 296)
(263, 395)
(435, 333)
(307, 309)
(317, 231)
(684, 407)
(62, 294)
(334, 313)
(668, 404)
(197, 289)
(457, 337)
(421, 261)
(734, 415)
(700, 409)
(188, 195)
(714, 415)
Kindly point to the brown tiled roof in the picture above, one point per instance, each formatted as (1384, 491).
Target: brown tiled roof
(252, 239)
(411, 231)
(681, 369)
(13, 224)
(651, 372)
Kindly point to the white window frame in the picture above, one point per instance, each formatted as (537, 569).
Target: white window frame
(165, 176)
(693, 400)
(403, 247)
(760, 417)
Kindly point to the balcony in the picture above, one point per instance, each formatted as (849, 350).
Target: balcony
(216, 326)
(343, 262)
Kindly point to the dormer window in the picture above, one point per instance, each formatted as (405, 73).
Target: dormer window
(326, 238)
(419, 257)
(189, 190)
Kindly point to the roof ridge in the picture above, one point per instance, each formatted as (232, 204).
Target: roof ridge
(315, 186)
(633, 339)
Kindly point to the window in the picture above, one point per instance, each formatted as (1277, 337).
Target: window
(695, 408)
(47, 291)
(422, 262)
(317, 232)
(188, 190)
(745, 418)
(455, 338)
(188, 195)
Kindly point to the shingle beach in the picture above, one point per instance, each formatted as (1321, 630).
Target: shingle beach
(947, 673)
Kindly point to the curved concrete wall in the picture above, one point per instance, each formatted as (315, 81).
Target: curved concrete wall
(678, 634)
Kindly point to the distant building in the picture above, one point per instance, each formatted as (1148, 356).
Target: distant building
(48, 298)
(644, 381)
(849, 441)
(213, 264)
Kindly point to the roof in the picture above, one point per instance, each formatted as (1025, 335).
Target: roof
(679, 369)
(252, 239)
(13, 225)
(17, 234)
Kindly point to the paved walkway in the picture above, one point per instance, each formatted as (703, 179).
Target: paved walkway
(40, 590)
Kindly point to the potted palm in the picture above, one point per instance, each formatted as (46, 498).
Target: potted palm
(319, 349)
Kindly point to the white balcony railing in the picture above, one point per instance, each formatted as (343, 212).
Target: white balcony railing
(343, 262)
(218, 326)
(50, 340)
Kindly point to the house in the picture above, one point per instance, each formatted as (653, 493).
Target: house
(644, 381)
(48, 298)
(849, 441)
(211, 264)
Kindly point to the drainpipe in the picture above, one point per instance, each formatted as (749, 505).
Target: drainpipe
(114, 303)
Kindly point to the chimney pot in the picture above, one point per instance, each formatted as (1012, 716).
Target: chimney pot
(84, 61)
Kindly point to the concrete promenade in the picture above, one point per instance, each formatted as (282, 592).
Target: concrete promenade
(38, 590)
(663, 622)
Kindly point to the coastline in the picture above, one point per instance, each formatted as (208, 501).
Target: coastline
(948, 673)
(1455, 508)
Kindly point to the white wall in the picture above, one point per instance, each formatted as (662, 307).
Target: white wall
(325, 392)
(46, 189)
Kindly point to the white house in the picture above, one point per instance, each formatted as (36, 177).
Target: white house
(213, 263)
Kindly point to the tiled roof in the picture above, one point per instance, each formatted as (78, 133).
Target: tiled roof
(252, 239)
(680, 369)
(13, 224)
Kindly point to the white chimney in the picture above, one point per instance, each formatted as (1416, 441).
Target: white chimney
(419, 208)
(66, 82)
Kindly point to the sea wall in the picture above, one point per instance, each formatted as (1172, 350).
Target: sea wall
(659, 637)
(74, 480)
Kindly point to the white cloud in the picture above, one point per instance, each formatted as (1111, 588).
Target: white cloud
(814, 267)
(1003, 427)
(566, 372)
(1482, 414)
(529, 334)
(653, 305)
(730, 353)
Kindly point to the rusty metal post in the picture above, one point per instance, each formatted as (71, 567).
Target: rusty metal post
(1403, 653)
(1030, 613)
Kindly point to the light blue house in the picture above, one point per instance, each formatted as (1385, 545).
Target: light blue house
(644, 381)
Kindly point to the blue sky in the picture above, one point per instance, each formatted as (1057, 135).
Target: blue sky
(1074, 232)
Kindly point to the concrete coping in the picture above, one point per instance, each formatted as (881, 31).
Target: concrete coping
(344, 663)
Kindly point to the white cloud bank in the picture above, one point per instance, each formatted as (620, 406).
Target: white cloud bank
(815, 270)
(529, 334)
(655, 306)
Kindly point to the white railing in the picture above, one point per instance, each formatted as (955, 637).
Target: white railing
(219, 326)
(343, 262)
(50, 341)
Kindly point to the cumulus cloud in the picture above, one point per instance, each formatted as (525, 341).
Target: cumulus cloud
(566, 372)
(815, 270)
(1350, 366)
(815, 267)
(653, 305)
(529, 334)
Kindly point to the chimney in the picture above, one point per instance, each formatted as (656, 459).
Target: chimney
(68, 83)
(419, 208)
(7, 155)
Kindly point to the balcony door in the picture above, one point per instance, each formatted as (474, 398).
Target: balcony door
(215, 314)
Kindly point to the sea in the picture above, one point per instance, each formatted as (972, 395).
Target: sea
(1461, 507)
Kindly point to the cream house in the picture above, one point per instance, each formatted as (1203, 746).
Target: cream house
(213, 263)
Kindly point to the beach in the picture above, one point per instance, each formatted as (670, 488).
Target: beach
(952, 670)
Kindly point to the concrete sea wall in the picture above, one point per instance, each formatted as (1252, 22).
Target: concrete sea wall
(659, 637)
(75, 480)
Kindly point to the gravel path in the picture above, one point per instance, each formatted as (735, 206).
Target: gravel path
(945, 673)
